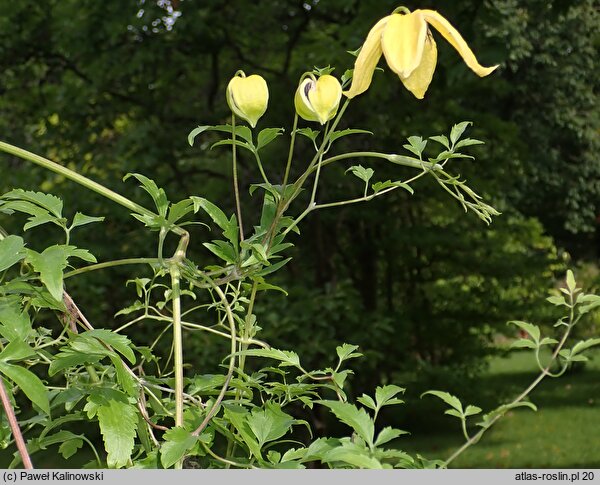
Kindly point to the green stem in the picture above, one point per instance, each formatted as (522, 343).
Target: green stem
(236, 189)
(545, 372)
(75, 177)
(247, 329)
(390, 157)
(285, 203)
(110, 264)
(261, 169)
(177, 349)
(215, 407)
(291, 152)
(313, 195)
(175, 272)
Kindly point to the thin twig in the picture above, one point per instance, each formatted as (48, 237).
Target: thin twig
(14, 426)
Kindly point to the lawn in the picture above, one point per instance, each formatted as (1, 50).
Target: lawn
(563, 433)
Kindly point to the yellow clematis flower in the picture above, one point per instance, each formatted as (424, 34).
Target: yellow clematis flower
(409, 49)
(248, 97)
(318, 99)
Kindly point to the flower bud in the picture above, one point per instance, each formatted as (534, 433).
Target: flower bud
(318, 100)
(248, 97)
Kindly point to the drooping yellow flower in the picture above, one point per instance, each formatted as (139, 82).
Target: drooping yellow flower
(318, 99)
(409, 49)
(248, 97)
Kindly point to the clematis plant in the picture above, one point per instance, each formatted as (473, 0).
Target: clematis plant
(149, 412)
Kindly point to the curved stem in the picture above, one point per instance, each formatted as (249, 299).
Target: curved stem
(247, 327)
(110, 264)
(230, 370)
(291, 152)
(236, 189)
(261, 169)
(75, 177)
(390, 157)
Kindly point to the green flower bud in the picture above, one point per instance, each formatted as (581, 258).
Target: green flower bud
(318, 100)
(248, 97)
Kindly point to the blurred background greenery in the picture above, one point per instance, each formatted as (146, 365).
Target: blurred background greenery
(113, 87)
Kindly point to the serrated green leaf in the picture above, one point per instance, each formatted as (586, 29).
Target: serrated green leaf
(501, 410)
(71, 358)
(548, 341)
(158, 195)
(357, 419)
(472, 410)
(229, 226)
(222, 250)
(347, 351)
(16, 350)
(39, 220)
(580, 346)
(68, 448)
(14, 323)
(468, 142)
(367, 401)
(441, 139)
(523, 344)
(379, 186)
(273, 267)
(81, 220)
(448, 398)
(571, 285)
(230, 141)
(124, 378)
(49, 202)
(12, 250)
(348, 131)
(178, 441)
(51, 263)
(458, 130)
(237, 416)
(179, 210)
(388, 434)
(309, 133)
(587, 303)
(384, 395)
(353, 455)
(416, 145)
(119, 342)
(361, 172)
(286, 357)
(266, 136)
(269, 423)
(556, 300)
(118, 424)
(29, 383)
(454, 412)
(241, 131)
(531, 330)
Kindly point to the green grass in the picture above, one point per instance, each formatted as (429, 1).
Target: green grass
(563, 433)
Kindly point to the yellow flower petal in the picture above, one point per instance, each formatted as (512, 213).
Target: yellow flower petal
(453, 36)
(403, 41)
(248, 97)
(325, 97)
(302, 103)
(367, 60)
(418, 82)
